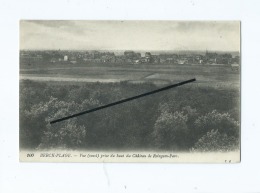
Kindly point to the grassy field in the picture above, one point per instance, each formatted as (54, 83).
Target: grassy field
(216, 76)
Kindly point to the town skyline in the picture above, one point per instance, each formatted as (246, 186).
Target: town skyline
(130, 35)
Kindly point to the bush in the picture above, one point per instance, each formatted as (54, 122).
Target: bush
(216, 132)
(35, 125)
(172, 120)
(170, 131)
(214, 141)
(217, 121)
(69, 136)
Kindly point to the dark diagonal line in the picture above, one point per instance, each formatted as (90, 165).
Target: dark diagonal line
(124, 100)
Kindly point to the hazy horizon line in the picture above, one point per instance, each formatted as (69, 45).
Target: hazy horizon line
(127, 50)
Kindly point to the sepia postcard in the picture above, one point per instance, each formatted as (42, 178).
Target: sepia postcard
(129, 91)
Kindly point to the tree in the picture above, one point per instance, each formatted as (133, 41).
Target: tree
(68, 136)
(170, 130)
(214, 141)
(216, 132)
(217, 121)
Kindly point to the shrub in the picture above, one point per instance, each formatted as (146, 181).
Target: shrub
(170, 130)
(217, 121)
(214, 141)
(69, 136)
(172, 120)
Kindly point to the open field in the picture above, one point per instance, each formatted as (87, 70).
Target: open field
(156, 73)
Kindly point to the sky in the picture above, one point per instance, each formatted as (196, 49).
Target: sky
(129, 35)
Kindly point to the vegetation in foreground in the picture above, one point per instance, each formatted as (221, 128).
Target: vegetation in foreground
(183, 119)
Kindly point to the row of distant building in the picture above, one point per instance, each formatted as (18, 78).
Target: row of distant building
(130, 57)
